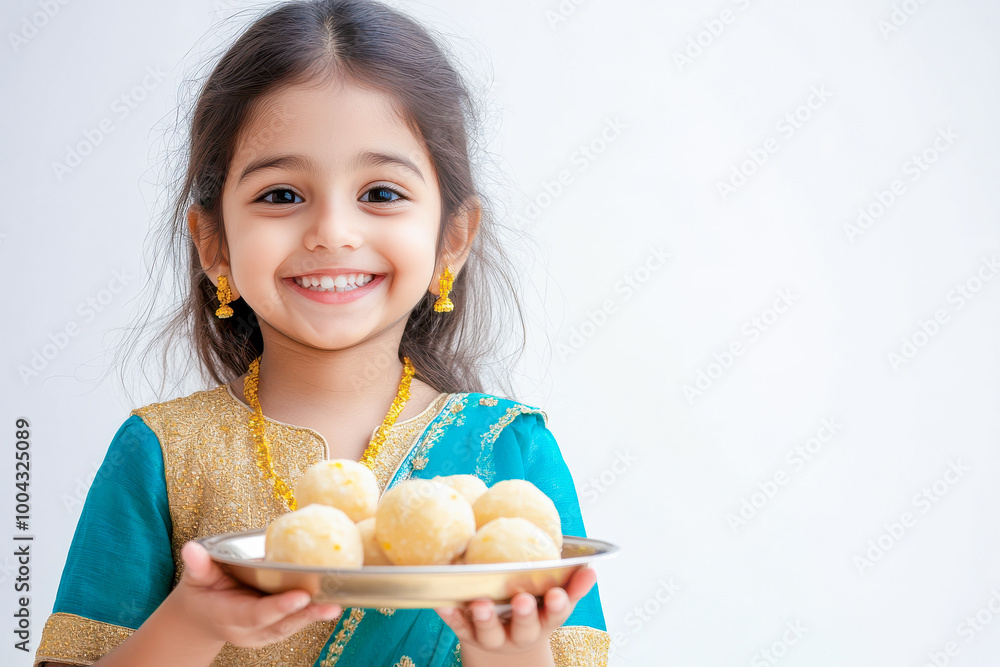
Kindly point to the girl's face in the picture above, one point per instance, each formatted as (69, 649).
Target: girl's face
(331, 210)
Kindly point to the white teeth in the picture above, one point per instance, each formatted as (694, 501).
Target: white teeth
(342, 282)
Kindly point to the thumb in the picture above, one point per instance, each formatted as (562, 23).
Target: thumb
(199, 568)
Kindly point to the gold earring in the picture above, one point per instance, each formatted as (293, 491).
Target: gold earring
(225, 295)
(444, 304)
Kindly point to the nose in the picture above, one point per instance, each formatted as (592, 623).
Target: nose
(334, 224)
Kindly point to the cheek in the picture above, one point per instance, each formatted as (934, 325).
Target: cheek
(255, 252)
(412, 253)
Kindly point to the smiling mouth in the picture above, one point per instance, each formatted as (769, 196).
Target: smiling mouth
(342, 282)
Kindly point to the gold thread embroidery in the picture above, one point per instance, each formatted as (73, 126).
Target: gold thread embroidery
(456, 656)
(484, 464)
(214, 486)
(452, 417)
(344, 636)
(488, 400)
(405, 661)
(72, 638)
(386, 611)
(580, 646)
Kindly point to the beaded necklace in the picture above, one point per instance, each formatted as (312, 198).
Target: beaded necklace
(256, 424)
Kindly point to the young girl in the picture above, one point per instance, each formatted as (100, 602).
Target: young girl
(334, 223)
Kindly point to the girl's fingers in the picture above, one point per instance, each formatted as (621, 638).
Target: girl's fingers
(557, 608)
(270, 610)
(198, 566)
(293, 623)
(580, 583)
(457, 621)
(490, 633)
(524, 624)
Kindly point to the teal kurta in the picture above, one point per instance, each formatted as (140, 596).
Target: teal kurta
(185, 469)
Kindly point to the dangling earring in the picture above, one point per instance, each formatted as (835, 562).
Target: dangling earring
(444, 304)
(225, 295)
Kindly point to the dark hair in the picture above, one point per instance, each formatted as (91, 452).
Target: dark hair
(370, 44)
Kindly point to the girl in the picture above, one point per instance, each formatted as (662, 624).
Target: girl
(334, 224)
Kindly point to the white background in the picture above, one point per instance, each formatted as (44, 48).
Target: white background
(694, 584)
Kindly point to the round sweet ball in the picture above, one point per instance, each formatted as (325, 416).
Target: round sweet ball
(342, 483)
(317, 535)
(469, 486)
(519, 498)
(373, 552)
(510, 540)
(421, 522)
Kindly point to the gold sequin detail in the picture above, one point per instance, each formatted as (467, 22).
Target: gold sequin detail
(456, 656)
(484, 463)
(453, 417)
(488, 400)
(580, 646)
(404, 436)
(258, 431)
(75, 639)
(344, 636)
(214, 486)
(405, 661)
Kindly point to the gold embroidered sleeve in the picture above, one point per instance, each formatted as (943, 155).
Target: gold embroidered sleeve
(580, 646)
(77, 640)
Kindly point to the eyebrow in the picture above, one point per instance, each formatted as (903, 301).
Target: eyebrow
(299, 162)
(302, 163)
(375, 159)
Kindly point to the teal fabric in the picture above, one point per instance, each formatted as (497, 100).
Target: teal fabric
(119, 568)
(125, 523)
(524, 449)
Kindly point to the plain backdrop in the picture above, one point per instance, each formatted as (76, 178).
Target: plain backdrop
(761, 273)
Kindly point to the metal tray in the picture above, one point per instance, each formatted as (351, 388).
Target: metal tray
(400, 587)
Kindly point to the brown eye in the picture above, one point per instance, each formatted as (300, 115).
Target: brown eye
(280, 196)
(381, 195)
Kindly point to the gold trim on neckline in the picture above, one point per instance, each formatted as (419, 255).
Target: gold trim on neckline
(247, 408)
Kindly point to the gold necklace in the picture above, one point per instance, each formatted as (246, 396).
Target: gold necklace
(281, 488)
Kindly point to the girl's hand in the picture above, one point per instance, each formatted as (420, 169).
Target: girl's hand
(224, 610)
(529, 628)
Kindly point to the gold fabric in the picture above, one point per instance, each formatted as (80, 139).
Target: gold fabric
(214, 486)
(77, 640)
(580, 646)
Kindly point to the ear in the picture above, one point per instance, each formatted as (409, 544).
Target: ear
(463, 227)
(211, 253)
